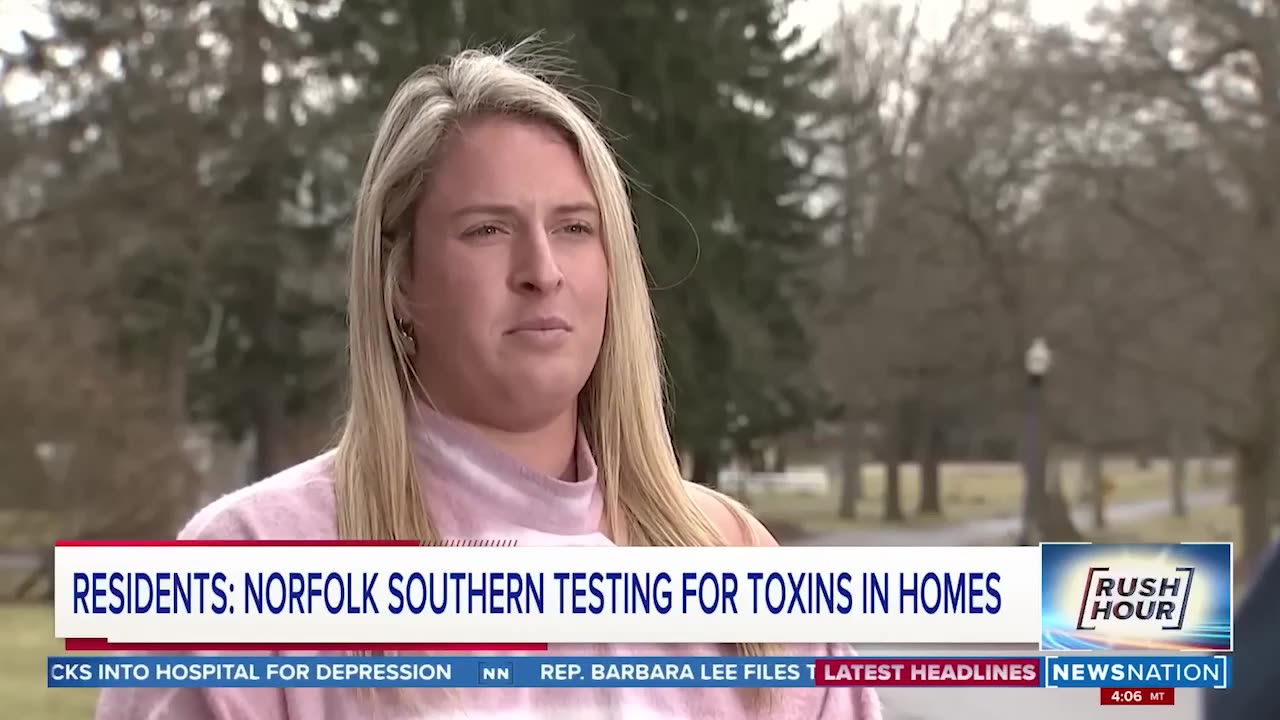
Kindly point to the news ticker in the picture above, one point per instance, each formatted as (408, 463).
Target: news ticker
(334, 596)
(1133, 677)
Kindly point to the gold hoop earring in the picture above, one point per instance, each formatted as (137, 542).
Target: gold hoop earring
(406, 338)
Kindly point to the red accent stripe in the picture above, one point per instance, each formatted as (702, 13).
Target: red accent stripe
(236, 543)
(96, 644)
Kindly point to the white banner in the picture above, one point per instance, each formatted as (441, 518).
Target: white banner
(197, 594)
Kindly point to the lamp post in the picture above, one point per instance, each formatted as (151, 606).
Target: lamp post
(1037, 363)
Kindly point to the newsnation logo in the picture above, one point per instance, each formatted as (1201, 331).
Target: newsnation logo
(1135, 597)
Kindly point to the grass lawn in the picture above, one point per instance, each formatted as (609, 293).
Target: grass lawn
(970, 491)
(1218, 523)
(30, 528)
(26, 639)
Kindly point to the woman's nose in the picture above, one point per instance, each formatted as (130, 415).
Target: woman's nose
(535, 269)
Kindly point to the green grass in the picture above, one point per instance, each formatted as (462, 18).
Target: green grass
(26, 639)
(970, 491)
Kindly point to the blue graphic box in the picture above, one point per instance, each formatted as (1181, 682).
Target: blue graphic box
(1136, 597)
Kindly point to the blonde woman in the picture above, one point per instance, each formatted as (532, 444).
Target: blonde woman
(505, 384)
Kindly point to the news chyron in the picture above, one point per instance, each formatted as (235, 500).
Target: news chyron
(1135, 597)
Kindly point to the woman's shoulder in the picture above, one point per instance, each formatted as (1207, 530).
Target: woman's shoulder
(731, 517)
(294, 504)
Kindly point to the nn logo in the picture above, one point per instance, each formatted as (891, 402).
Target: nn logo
(1114, 597)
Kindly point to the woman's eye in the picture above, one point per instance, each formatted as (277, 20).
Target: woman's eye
(483, 231)
(578, 229)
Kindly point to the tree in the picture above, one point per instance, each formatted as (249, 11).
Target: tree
(719, 196)
(940, 203)
(1197, 186)
(186, 145)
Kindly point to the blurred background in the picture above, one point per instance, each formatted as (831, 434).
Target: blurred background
(929, 272)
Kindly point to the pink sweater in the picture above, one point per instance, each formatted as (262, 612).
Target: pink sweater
(475, 493)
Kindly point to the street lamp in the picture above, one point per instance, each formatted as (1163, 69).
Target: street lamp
(1039, 360)
(56, 459)
(1037, 363)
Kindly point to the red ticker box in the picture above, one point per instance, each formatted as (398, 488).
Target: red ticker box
(928, 672)
(1137, 696)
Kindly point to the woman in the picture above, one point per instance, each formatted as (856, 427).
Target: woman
(505, 384)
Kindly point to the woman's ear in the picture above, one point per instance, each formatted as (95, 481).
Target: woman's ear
(399, 280)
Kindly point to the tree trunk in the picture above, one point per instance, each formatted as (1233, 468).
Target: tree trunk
(1178, 474)
(1204, 464)
(894, 452)
(1253, 466)
(1056, 524)
(779, 464)
(1237, 471)
(269, 428)
(931, 468)
(1095, 482)
(1144, 457)
(851, 467)
(705, 468)
(893, 489)
(177, 501)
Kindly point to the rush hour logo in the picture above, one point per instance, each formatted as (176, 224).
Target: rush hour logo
(1164, 597)
(1116, 596)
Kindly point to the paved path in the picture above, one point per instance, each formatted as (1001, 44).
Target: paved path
(978, 532)
(20, 560)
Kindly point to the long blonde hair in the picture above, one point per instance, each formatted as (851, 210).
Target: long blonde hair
(646, 500)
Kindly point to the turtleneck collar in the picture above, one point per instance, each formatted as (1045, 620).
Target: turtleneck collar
(476, 491)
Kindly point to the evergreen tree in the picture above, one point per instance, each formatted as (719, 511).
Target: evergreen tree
(187, 149)
(715, 141)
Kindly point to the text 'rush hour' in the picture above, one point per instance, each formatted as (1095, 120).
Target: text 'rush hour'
(1117, 596)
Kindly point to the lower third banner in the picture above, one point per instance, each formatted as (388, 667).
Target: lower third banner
(474, 671)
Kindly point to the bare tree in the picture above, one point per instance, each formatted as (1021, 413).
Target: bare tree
(1197, 184)
(913, 330)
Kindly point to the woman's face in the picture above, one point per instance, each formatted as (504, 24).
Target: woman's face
(508, 281)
